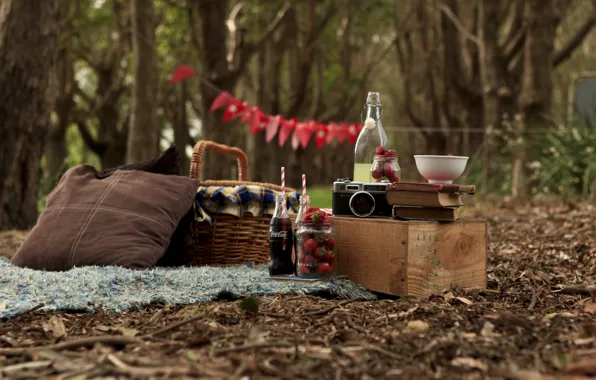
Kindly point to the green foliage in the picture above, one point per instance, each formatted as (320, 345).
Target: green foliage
(568, 164)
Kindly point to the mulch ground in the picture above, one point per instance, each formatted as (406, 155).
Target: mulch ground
(536, 320)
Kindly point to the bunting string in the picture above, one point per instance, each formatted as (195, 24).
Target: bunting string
(299, 133)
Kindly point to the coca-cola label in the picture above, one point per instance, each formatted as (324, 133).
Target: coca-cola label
(278, 234)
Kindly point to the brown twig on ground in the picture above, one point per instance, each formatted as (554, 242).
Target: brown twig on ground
(253, 346)
(173, 326)
(310, 313)
(576, 289)
(112, 340)
(533, 301)
(147, 371)
(30, 365)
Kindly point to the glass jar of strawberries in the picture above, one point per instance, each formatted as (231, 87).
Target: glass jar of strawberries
(385, 166)
(315, 247)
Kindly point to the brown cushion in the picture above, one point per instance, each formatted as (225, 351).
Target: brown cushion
(167, 162)
(126, 219)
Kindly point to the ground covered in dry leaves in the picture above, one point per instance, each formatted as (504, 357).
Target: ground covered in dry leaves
(537, 320)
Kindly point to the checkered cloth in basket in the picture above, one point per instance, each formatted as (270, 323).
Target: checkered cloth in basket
(237, 201)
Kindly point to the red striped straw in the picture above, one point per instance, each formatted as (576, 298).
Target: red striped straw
(283, 191)
(303, 188)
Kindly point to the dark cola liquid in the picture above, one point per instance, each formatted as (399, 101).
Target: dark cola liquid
(281, 242)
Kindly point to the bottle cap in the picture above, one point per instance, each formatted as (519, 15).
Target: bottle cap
(373, 99)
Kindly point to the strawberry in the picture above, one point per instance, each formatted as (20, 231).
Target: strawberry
(390, 154)
(309, 260)
(321, 253)
(312, 209)
(329, 258)
(320, 238)
(380, 150)
(303, 269)
(309, 246)
(330, 244)
(388, 169)
(324, 268)
(316, 217)
(377, 173)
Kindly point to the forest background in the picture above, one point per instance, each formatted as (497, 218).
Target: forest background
(88, 81)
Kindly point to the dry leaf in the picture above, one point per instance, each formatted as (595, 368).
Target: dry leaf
(590, 307)
(448, 297)
(126, 331)
(55, 326)
(488, 330)
(417, 326)
(469, 363)
(403, 313)
(583, 301)
(470, 335)
(464, 300)
(584, 341)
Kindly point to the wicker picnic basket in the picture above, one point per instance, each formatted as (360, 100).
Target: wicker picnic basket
(229, 240)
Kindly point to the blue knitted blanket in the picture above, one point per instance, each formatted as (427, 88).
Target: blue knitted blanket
(116, 289)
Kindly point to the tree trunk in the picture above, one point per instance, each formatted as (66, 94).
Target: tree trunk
(541, 18)
(180, 125)
(28, 51)
(491, 65)
(212, 36)
(143, 141)
(56, 150)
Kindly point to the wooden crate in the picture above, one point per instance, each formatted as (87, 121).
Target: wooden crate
(413, 258)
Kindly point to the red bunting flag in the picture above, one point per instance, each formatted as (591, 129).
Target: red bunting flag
(222, 100)
(353, 134)
(296, 135)
(332, 130)
(343, 132)
(234, 109)
(305, 132)
(272, 127)
(181, 73)
(257, 121)
(320, 135)
(287, 126)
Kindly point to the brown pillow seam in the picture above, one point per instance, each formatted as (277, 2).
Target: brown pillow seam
(92, 213)
(112, 209)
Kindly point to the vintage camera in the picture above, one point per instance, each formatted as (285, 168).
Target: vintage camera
(361, 199)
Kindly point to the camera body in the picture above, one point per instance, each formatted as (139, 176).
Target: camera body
(361, 199)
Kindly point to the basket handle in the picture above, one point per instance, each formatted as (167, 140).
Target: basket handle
(196, 162)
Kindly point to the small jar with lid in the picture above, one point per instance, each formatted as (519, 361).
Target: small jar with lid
(315, 247)
(385, 167)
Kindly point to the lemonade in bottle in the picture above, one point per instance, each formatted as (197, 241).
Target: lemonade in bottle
(371, 136)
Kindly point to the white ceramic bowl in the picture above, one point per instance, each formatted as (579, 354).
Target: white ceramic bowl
(440, 169)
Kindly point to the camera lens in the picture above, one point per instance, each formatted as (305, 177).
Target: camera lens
(362, 204)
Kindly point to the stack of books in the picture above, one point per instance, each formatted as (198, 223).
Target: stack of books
(426, 201)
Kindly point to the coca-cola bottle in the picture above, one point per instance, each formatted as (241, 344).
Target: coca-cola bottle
(304, 205)
(281, 242)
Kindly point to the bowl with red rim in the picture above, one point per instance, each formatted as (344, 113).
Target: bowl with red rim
(440, 169)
